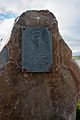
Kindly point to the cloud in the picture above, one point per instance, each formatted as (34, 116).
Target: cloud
(5, 30)
(67, 14)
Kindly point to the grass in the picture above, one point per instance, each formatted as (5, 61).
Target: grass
(76, 57)
(78, 111)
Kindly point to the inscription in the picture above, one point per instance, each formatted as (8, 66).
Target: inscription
(36, 49)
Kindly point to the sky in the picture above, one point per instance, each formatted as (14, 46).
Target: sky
(66, 12)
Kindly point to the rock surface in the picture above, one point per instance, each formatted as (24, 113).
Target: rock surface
(39, 96)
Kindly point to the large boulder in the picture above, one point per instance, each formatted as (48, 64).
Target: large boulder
(38, 95)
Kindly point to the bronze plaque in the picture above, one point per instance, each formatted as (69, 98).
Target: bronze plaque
(36, 49)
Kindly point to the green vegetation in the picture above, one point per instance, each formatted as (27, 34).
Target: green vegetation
(76, 57)
(78, 111)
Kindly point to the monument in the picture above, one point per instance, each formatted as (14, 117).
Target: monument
(39, 80)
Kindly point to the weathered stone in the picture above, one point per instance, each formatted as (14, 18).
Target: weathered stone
(3, 57)
(39, 96)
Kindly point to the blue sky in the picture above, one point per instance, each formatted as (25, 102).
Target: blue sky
(7, 15)
(66, 12)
